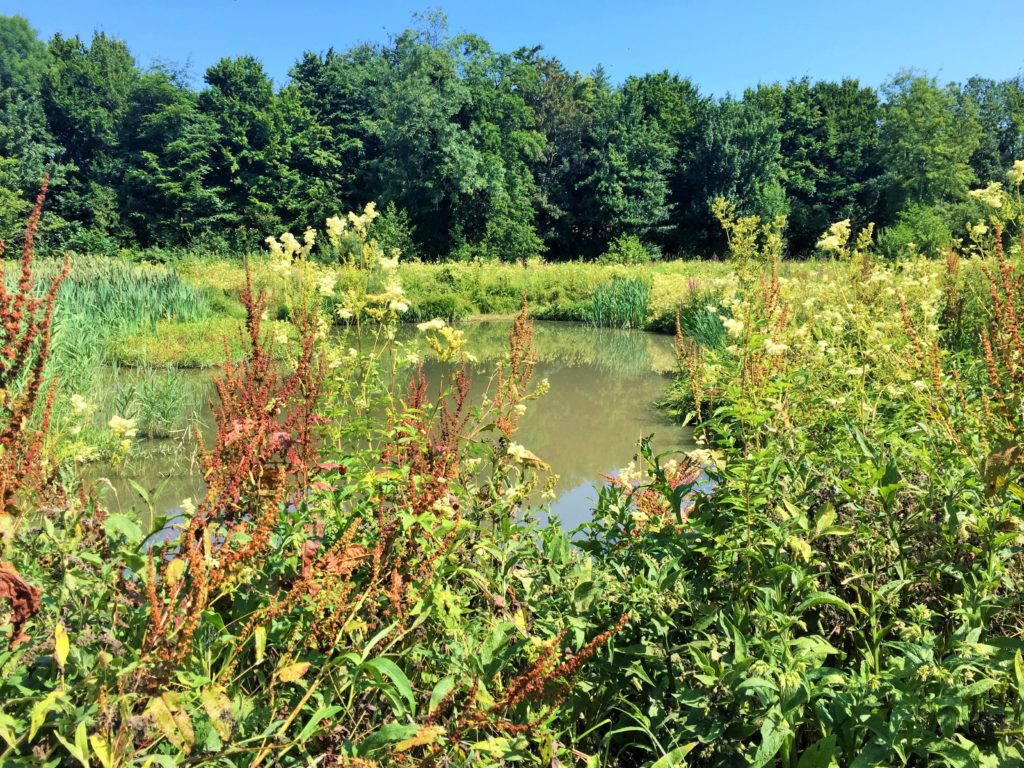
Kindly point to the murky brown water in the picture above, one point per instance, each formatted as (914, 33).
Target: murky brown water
(603, 386)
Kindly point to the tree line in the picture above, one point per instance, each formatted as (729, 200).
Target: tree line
(471, 152)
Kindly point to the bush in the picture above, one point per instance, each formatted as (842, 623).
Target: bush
(629, 249)
(918, 229)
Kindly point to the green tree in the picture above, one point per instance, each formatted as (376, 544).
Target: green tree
(86, 94)
(248, 162)
(928, 139)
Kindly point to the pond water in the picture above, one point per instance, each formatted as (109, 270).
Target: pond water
(604, 384)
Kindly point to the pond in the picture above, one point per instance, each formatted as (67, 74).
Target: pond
(604, 384)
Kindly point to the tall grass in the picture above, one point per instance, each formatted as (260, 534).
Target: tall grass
(620, 303)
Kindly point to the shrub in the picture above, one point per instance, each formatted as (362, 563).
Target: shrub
(629, 249)
(918, 229)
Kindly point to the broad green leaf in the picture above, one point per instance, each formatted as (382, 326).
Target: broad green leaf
(676, 758)
(101, 747)
(321, 714)
(824, 598)
(117, 523)
(821, 754)
(442, 689)
(40, 710)
(383, 666)
(387, 734)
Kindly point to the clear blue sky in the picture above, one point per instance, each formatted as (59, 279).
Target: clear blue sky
(722, 46)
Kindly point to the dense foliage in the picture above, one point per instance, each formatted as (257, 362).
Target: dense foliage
(473, 152)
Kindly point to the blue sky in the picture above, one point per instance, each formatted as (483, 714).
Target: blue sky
(722, 46)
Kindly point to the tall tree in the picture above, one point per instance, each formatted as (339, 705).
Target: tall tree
(929, 137)
(86, 94)
(249, 158)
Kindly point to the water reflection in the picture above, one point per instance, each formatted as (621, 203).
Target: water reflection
(603, 385)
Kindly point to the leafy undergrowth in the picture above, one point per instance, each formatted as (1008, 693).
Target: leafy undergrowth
(833, 579)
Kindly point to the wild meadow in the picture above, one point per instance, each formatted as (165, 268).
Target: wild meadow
(832, 577)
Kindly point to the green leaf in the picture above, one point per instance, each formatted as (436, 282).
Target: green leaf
(117, 523)
(80, 749)
(382, 666)
(821, 754)
(40, 710)
(314, 721)
(676, 757)
(387, 734)
(442, 689)
(824, 598)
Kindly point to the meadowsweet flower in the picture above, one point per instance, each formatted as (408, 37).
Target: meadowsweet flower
(290, 245)
(188, 507)
(517, 452)
(836, 238)
(121, 427)
(992, 195)
(325, 285)
(733, 326)
(396, 305)
(431, 325)
(388, 265)
(520, 408)
(1016, 173)
(335, 226)
(978, 230)
(345, 313)
(773, 348)
(274, 246)
(79, 404)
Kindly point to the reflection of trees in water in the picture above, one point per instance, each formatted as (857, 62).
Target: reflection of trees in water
(629, 353)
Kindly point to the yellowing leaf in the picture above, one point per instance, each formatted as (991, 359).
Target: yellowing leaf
(61, 645)
(219, 710)
(292, 672)
(260, 638)
(102, 749)
(173, 721)
(428, 734)
(175, 570)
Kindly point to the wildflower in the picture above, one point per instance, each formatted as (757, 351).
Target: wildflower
(121, 427)
(325, 285)
(79, 404)
(281, 337)
(520, 409)
(188, 506)
(859, 371)
(274, 246)
(1016, 173)
(733, 326)
(517, 451)
(836, 238)
(345, 313)
(773, 348)
(335, 226)
(919, 385)
(389, 265)
(978, 230)
(290, 245)
(399, 306)
(431, 325)
(992, 195)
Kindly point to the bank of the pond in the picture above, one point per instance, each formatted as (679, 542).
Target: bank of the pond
(604, 384)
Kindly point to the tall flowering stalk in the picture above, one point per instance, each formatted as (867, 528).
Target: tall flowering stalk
(25, 328)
